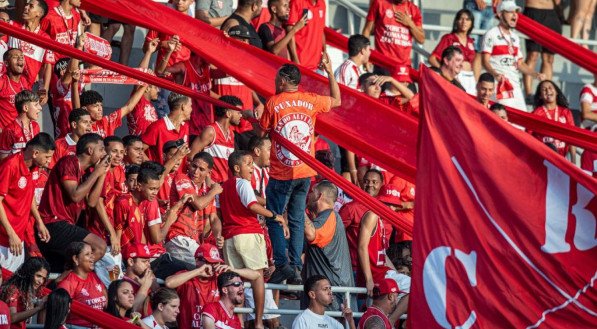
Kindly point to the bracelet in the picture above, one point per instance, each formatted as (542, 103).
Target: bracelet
(274, 215)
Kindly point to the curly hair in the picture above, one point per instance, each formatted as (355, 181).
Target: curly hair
(22, 281)
(560, 98)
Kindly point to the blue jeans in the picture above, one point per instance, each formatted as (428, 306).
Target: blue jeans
(290, 195)
(483, 19)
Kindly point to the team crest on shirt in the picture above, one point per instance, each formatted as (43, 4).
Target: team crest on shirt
(22, 182)
(298, 129)
(84, 292)
(149, 113)
(412, 191)
(98, 287)
(389, 13)
(562, 120)
(35, 175)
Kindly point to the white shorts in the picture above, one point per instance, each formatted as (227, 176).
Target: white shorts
(269, 304)
(403, 282)
(517, 101)
(9, 261)
(106, 264)
(182, 248)
(467, 80)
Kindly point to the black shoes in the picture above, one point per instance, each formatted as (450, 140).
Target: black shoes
(282, 273)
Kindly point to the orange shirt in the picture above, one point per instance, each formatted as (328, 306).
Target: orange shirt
(292, 115)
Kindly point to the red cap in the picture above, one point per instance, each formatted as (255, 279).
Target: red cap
(386, 286)
(389, 194)
(137, 250)
(209, 252)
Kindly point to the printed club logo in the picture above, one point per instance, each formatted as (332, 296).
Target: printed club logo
(298, 129)
(22, 182)
(389, 13)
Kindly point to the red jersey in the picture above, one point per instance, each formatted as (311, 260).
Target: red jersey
(374, 312)
(164, 192)
(309, 40)
(135, 219)
(268, 32)
(17, 187)
(141, 117)
(392, 38)
(19, 301)
(160, 132)
(64, 146)
(4, 316)
(293, 115)
(61, 27)
(451, 39)
(221, 317)
(377, 254)
(588, 162)
(260, 179)
(220, 149)
(352, 213)
(190, 222)
(62, 103)
(561, 115)
(235, 200)
(8, 90)
(198, 79)
(15, 136)
(229, 85)
(55, 204)
(114, 186)
(35, 56)
(90, 291)
(195, 293)
(108, 124)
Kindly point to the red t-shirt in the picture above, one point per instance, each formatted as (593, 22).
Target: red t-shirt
(309, 40)
(451, 39)
(64, 146)
(588, 162)
(373, 312)
(561, 115)
(8, 90)
(142, 116)
(4, 316)
(221, 317)
(17, 300)
(135, 219)
(60, 27)
(35, 56)
(90, 291)
(393, 39)
(235, 200)
(293, 115)
(220, 149)
(198, 79)
(14, 137)
(56, 205)
(114, 186)
(62, 103)
(229, 85)
(195, 293)
(352, 213)
(17, 186)
(190, 222)
(108, 124)
(164, 192)
(160, 132)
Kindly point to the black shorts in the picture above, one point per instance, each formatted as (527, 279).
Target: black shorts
(61, 235)
(546, 17)
(98, 19)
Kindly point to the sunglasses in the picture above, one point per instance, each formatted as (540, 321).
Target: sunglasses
(235, 284)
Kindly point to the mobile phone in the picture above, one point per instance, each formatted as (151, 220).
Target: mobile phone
(305, 12)
(179, 142)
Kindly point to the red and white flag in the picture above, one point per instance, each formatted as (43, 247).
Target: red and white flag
(504, 233)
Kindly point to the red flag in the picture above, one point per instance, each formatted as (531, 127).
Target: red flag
(504, 233)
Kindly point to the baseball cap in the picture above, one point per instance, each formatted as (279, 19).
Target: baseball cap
(209, 252)
(507, 5)
(239, 31)
(137, 250)
(389, 194)
(386, 286)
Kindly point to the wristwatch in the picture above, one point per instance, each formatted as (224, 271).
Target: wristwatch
(274, 215)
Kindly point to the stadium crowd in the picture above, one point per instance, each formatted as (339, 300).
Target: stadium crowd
(198, 197)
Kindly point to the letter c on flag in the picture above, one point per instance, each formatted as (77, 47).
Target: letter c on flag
(435, 283)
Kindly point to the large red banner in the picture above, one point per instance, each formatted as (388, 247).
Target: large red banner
(504, 236)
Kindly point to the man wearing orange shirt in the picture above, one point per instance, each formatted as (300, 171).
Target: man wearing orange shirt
(292, 114)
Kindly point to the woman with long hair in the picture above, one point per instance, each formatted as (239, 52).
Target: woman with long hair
(22, 292)
(57, 309)
(120, 302)
(550, 103)
(81, 283)
(165, 305)
(460, 37)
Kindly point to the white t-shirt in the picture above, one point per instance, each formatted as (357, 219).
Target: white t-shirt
(505, 52)
(152, 323)
(348, 74)
(309, 320)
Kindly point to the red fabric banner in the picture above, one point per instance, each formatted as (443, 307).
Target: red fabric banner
(107, 76)
(97, 317)
(98, 46)
(505, 235)
(582, 57)
(356, 193)
(360, 125)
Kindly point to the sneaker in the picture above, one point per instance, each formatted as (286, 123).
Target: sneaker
(281, 273)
